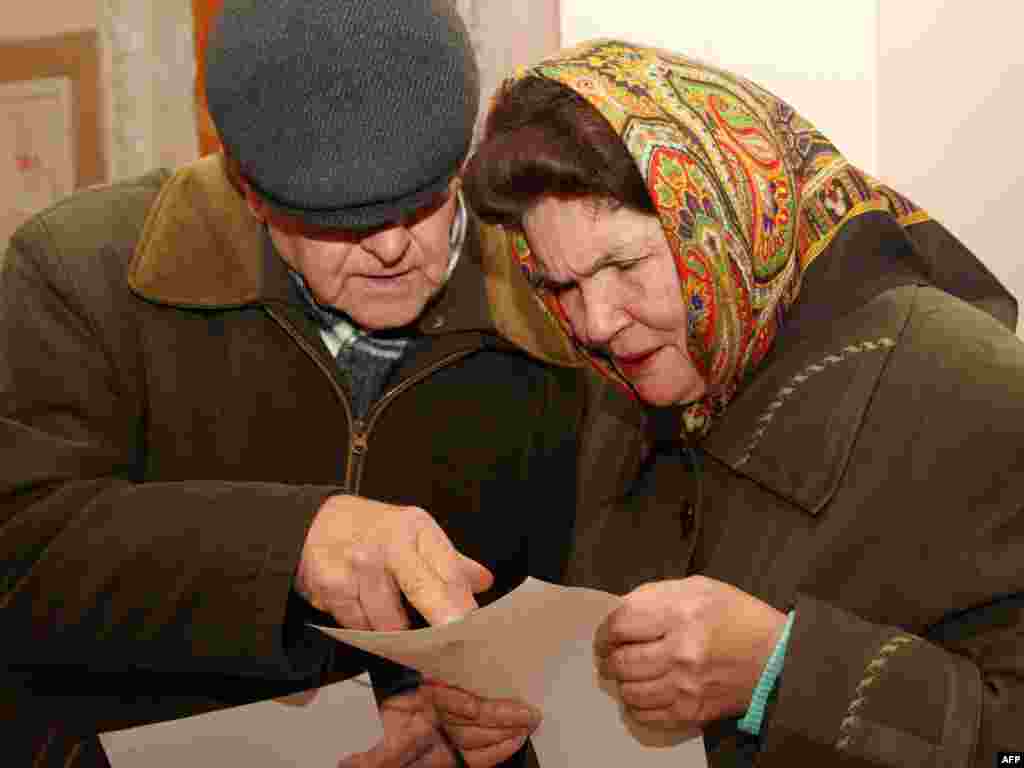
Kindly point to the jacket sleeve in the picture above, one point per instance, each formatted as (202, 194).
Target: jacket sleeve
(929, 671)
(879, 696)
(100, 568)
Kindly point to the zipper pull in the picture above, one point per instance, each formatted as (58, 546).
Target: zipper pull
(359, 441)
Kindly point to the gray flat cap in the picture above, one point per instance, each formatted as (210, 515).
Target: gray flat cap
(343, 113)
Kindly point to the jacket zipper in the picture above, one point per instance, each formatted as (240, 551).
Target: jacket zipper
(361, 430)
(359, 436)
(339, 390)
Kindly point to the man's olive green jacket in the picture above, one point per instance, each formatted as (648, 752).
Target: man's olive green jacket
(170, 422)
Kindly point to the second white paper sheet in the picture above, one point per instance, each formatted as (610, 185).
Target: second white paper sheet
(536, 644)
(315, 728)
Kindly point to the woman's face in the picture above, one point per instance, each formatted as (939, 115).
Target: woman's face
(613, 274)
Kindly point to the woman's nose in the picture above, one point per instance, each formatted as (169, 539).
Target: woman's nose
(602, 314)
(388, 243)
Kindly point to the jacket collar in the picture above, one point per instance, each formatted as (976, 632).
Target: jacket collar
(201, 248)
(793, 426)
(872, 254)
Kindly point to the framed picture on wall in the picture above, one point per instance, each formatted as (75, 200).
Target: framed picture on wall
(50, 139)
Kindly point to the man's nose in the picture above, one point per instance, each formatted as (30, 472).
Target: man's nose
(388, 243)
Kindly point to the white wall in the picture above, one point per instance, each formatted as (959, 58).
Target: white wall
(146, 69)
(925, 94)
(828, 78)
(47, 18)
(40, 18)
(507, 34)
(951, 102)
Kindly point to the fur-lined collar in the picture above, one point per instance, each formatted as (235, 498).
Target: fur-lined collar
(201, 248)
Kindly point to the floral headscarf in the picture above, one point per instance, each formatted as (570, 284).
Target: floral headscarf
(748, 193)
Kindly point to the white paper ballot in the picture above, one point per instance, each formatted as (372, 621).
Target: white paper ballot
(536, 644)
(313, 729)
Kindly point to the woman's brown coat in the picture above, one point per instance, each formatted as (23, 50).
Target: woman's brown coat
(871, 476)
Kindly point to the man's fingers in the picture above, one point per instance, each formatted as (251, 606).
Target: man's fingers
(626, 624)
(636, 662)
(431, 755)
(440, 755)
(476, 575)
(487, 757)
(485, 731)
(474, 737)
(507, 713)
(381, 600)
(459, 706)
(410, 745)
(348, 612)
(361, 555)
(432, 576)
(455, 703)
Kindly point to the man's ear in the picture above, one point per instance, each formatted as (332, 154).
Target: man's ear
(462, 168)
(455, 185)
(257, 207)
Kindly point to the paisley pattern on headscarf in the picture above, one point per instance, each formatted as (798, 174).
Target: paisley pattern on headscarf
(748, 193)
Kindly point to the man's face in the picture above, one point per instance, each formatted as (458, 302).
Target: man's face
(381, 278)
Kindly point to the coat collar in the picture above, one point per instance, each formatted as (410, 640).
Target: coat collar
(794, 424)
(201, 248)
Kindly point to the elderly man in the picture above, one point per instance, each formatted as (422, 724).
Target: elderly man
(280, 382)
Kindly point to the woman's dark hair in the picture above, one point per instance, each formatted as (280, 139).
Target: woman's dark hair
(543, 139)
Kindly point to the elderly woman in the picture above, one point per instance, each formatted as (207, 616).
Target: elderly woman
(846, 398)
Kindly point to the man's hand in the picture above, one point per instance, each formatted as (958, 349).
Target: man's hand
(361, 555)
(412, 736)
(687, 652)
(485, 731)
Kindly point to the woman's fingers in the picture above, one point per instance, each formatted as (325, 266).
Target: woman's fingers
(649, 694)
(636, 661)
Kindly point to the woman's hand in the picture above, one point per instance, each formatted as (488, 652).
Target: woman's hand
(688, 652)
(485, 731)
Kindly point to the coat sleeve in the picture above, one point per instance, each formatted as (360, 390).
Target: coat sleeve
(100, 568)
(919, 658)
(550, 481)
(878, 695)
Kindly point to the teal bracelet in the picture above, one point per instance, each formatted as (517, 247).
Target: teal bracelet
(751, 722)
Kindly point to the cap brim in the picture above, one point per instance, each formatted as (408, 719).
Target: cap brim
(366, 216)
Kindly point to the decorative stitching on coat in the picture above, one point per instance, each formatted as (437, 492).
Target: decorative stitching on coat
(873, 671)
(801, 378)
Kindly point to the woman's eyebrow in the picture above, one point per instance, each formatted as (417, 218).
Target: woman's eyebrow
(612, 256)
